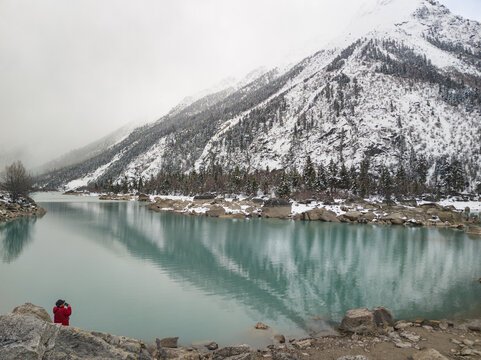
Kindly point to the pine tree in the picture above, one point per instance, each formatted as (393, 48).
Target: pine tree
(385, 183)
(344, 178)
(321, 179)
(354, 179)
(454, 177)
(283, 190)
(309, 174)
(364, 180)
(332, 179)
(401, 182)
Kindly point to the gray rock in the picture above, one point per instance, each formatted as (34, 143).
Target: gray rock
(212, 346)
(261, 326)
(473, 325)
(170, 342)
(403, 345)
(395, 218)
(383, 317)
(280, 338)
(353, 357)
(33, 310)
(429, 354)
(215, 211)
(276, 211)
(467, 352)
(283, 356)
(353, 215)
(401, 325)
(303, 344)
(235, 352)
(320, 215)
(359, 321)
(410, 336)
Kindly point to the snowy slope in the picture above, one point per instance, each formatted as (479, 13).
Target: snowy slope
(405, 79)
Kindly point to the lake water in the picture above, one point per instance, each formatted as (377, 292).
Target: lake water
(133, 272)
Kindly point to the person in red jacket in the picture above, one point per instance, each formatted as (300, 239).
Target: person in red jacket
(61, 312)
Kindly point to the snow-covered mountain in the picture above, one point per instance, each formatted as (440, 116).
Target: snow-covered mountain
(404, 81)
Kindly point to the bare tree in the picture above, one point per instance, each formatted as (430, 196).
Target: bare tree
(16, 181)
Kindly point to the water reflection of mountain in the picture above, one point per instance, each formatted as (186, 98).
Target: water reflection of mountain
(14, 237)
(296, 269)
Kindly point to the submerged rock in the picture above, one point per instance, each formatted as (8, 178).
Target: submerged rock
(261, 326)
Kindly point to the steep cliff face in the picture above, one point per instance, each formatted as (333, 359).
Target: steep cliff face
(394, 89)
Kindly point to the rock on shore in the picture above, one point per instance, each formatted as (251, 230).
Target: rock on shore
(363, 212)
(28, 334)
(10, 210)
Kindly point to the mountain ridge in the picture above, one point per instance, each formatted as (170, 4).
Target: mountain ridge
(411, 89)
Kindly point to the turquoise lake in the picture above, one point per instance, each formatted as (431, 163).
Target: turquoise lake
(133, 272)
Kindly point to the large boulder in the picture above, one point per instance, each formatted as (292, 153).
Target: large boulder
(30, 309)
(396, 218)
(365, 321)
(360, 321)
(276, 208)
(215, 211)
(320, 215)
(353, 215)
(383, 317)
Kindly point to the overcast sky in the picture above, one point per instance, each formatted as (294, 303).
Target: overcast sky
(73, 71)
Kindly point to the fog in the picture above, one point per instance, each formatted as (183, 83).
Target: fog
(73, 71)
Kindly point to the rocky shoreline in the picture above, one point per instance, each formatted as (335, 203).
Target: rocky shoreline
(28, 333)
(363, 212)
(10, 210)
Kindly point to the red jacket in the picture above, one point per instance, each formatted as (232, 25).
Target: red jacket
(61, 315)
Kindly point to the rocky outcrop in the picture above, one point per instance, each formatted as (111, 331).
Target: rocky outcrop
(10, 210)
(365, 321)
(33, 310)
(350, 211)
(28, 337)
(28, 334)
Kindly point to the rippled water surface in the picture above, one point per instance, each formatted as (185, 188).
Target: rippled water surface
(133, 272)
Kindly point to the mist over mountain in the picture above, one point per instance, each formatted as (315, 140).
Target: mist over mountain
(403, 83)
